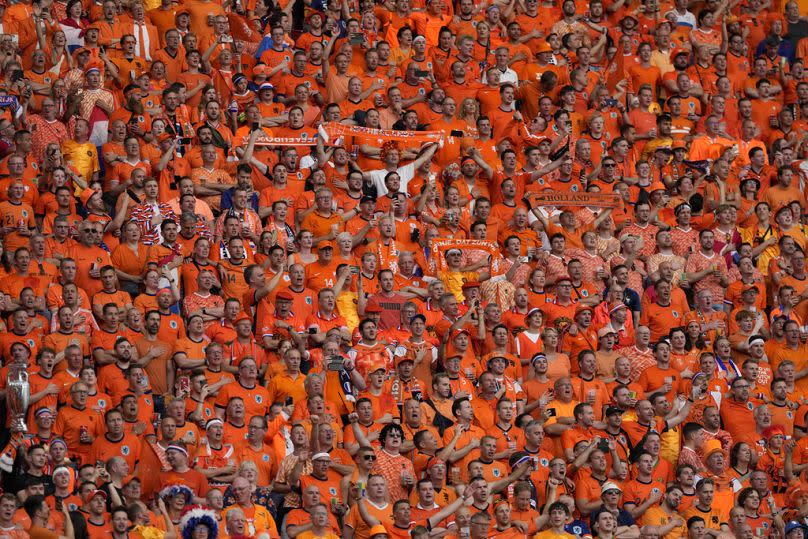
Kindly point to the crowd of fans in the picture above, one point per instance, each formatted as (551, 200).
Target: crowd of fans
(407, 268)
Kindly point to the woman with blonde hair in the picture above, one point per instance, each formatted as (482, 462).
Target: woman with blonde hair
(469, 112)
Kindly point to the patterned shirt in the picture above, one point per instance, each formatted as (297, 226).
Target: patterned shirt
(142, 214)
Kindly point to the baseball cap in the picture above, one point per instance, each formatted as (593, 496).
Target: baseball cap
(605, 330)
(611, 410)
(794, 525)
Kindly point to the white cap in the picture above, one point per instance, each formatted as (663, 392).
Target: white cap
(610, 485)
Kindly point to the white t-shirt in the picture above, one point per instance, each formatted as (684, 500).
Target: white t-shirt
(406, 173)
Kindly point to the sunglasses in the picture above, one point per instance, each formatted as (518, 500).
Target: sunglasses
(369, 457)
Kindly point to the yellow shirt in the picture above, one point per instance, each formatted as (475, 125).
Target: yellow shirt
(84, 157)
(656, 516)
(454, 280)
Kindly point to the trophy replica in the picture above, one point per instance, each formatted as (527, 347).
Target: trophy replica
(18, 393)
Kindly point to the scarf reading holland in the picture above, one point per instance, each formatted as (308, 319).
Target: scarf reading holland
(332, 131)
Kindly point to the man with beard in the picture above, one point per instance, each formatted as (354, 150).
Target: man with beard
(665, 516)
(153, 356)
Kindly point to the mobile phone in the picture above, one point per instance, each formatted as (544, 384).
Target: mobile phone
(421, 73)
(288, 401)
(603, 445)
(335, 363)
(534, 465)
(185, 384)
(356, 39)
(185, 141)
(254, 126)
(610, 102)
(355, 270)
(551, 412)
(456, 133)
(312, 331)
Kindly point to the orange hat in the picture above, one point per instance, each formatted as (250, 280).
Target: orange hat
(94, 26)
(657, 186)
(181, 11)
(795, 491)
(677, 52)
(470, 284)
(679, 144)
(582, 308)
(86, 195)
(164, 136)
(243, 316)
(402, 359)
(711, 446)
(284, 295)
(93, 65)
(457, 332)
(774, 430)
(326, 245)
(544, 47)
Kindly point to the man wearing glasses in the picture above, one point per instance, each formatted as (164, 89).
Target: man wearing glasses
(89, 257)
(78, 425)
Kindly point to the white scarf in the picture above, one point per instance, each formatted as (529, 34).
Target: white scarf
(143, 48)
